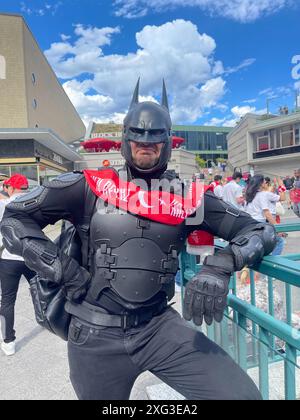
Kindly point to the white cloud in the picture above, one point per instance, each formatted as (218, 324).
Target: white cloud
(215, 122)
(241, 111)
(237, 112)
(250, 101)
(40, 11)
(277, 92)
(239, 10)
(101, 86)
(246, 63)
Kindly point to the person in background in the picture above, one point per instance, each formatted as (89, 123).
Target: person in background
(12, 267)
(295, 194)
(260, 204)
(288, 182)
(275, 194)
(3, 193)
(233, 192)
(217, 187)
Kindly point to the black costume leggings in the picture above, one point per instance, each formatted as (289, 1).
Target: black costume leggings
(105, 362)
(10, 275)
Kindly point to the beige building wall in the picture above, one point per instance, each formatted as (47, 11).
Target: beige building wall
(31, 95)
(238, 143)
(278, 166)
(53, 107)
(13, 105)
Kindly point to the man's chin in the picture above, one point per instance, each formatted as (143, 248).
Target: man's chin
(145, 165)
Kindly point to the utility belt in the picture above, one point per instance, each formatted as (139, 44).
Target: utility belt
(99, 316)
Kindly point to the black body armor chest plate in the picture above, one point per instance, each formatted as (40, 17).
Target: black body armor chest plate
(135, 257)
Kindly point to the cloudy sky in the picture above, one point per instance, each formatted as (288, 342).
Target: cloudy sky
(220, 58)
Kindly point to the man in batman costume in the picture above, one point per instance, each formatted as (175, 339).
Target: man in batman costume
(121, 322)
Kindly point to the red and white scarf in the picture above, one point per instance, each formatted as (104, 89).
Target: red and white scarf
(159, 206)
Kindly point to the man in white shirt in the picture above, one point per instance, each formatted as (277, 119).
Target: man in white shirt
(217, 187)
(12, 267)
(233, 192)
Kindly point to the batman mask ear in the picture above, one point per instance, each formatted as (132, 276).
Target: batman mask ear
(164, 96)
(135, 97)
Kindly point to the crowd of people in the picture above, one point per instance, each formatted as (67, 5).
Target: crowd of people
(260, 196)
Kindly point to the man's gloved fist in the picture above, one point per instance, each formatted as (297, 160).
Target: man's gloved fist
(50, 263)
(42, 257)
(206, 294)
(76, 279)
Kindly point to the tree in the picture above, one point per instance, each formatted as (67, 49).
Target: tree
(200, 162)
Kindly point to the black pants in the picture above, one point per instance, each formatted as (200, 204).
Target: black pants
(104, 363)
(10, 275)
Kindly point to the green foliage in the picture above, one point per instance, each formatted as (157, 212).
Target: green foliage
(200, 162)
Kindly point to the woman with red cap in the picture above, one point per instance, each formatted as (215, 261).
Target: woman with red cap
(12, 267)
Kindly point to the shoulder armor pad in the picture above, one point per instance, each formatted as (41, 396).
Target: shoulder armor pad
(30, 200)
(64, 180)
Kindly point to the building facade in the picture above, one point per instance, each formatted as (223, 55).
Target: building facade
(35, 112)
(266, 144)
(208, 142)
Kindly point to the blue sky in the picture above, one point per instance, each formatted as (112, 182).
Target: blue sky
(220, 58)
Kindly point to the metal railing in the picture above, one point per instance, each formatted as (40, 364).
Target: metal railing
(262, 343)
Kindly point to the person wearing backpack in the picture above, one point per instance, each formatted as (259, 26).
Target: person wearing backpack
(122, 323)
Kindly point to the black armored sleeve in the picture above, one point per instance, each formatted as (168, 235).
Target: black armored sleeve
(249, 240)
(62, 198)
(27, 215)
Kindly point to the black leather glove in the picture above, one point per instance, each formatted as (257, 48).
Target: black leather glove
(50, 263)
(76, 279)
(206, 294)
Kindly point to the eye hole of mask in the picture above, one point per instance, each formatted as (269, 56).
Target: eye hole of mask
(157, 132)
(137, 130)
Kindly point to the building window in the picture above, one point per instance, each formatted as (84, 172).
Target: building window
(33, 79)
(287, 136)
(34, 104)
(273, 139)
(263, 141)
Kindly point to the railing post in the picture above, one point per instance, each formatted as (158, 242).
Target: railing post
(263, 364)
(271, 308)
(242, 341)
(290, 373)
(289, 305)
